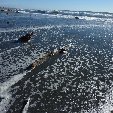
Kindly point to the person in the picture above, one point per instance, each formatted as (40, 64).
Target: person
(26, 38)
(44, 58)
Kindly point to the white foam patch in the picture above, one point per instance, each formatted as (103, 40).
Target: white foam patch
(108, 106)
(26, 106)
(4, 88)
(44, 27)
(24, 12)
(25, 29)
(4, 105)
(80, 17)
(10, 50)
(111, 67)
(6, 85)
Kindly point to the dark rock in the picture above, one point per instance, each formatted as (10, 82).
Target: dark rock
(54, 12)
(1, 98)
(2, 10)
(76, 18)
(39, 11)
(7, 22)
(9, 10)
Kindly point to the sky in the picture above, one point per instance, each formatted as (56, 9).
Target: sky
(75, 5)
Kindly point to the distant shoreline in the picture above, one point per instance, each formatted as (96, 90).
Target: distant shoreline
(7, 9)
(16, 9)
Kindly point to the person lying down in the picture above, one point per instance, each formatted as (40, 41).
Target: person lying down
(47, 56)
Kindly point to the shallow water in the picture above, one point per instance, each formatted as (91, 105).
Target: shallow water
(77, 82)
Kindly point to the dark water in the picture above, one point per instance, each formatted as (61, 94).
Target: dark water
(77, 82)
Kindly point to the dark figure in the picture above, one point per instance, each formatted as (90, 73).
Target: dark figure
(7, 22)
(26, 38)
(76, 18)
(62, 50)
(1, 98)
(2, 10)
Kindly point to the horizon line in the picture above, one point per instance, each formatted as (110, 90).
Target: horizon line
(55, 9)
